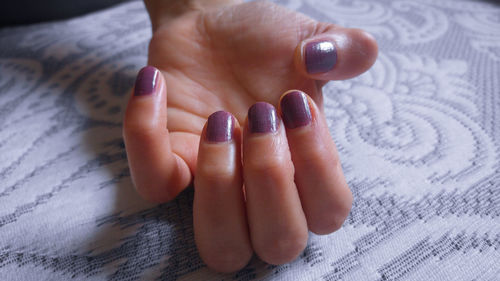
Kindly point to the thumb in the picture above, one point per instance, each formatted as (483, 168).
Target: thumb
(335, 53)
(157, 172)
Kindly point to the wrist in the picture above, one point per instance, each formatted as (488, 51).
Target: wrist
(163, 10)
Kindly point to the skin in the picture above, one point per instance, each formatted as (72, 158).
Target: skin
(223, 55)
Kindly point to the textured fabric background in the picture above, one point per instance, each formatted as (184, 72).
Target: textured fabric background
(419, 138)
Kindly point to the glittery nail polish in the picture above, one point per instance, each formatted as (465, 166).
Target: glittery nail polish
(146, 80)
(320, 56)
(295, 110)
(220, 126)
(262, 118)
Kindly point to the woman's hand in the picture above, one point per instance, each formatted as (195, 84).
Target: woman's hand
(240, 59)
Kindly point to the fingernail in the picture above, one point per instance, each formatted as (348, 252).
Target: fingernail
(295, 110)
(220, 127)
(146, 81)
(262, 118)
(320, 56)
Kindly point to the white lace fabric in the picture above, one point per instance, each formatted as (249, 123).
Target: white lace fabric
(418, 134)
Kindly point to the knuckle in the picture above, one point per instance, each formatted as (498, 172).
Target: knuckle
(141, 131)
(270, 166)
(216, 172)
(312, 159)
(332, 159)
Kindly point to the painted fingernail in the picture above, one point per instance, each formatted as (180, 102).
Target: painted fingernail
(220, 127)
(320, 56)
(295, 110)
(146, 81)
(262, 118)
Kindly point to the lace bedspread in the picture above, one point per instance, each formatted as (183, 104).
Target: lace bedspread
(419, 138)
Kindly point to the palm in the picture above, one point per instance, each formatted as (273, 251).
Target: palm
(227, 59)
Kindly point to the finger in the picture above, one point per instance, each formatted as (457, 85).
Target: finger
(336, 53)
(278, 228)
(325, 196)
(220, 225)
(158, 173)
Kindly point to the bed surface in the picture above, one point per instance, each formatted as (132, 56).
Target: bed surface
(418, 135)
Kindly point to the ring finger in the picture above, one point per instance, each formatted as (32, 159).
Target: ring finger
(278, 227)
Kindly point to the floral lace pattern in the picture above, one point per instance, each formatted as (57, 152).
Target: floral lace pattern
(418, 136)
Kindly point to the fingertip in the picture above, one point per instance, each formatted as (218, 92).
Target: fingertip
(262, 119)
(145, 108)
(221, 126)
(338, 54)
(298, 109)
(146, 81)
(363, 51)
(219, 145)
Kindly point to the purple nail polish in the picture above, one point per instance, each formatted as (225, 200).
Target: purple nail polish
(320, 56)
(262, 118)
(146, 81)
(220, 127)
(295, 110)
